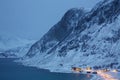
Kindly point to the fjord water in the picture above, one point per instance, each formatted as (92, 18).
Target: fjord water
(10, 70)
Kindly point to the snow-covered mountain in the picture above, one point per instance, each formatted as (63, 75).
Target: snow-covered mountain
(80, 38)
(11, 46)
(57, 33)
(17, 52)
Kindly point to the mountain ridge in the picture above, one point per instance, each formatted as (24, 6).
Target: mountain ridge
(54, 35)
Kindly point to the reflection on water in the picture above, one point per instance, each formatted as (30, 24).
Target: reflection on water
(88, 75)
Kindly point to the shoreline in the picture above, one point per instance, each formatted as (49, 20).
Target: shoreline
(93, 76)
(66, 71)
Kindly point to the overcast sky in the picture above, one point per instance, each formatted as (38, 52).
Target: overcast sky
(33, 18)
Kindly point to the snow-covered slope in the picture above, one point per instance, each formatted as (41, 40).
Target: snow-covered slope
(80, 39)
(17, 52)
(11, 46)
(8, 42)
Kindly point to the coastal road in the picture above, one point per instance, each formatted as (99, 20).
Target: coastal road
(106, 76)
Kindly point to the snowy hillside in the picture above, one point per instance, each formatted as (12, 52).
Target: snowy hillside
(9, 42)
(13, 46)
(80, 38)
(17, 52)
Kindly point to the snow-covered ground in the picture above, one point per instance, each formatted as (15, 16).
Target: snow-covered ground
(107, 76)
(115, 75)
(96, 77)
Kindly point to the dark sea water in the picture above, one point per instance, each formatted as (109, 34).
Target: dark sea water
(13, 71)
